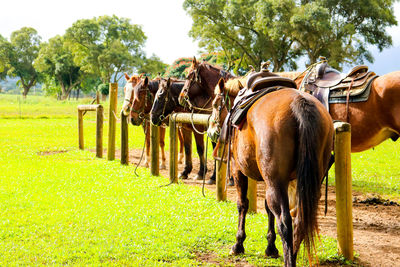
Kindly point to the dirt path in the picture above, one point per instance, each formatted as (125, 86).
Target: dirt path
(376, 226)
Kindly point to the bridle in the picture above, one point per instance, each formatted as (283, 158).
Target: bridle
(166, 99)
(194, 79)
(225, 103)
(148, 96)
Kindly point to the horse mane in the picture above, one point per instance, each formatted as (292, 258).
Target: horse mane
(234, 85)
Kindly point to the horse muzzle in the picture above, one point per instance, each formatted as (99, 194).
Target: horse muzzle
(213, 133)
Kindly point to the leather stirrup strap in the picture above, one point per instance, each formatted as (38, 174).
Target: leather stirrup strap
(348, 98)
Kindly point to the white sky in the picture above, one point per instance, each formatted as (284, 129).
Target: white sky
(164, 22)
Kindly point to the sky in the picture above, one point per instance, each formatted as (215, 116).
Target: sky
(164, 22)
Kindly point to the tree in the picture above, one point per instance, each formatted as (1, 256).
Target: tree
(249, 32)
(106, 46)
(343, 31)
(178, 68)
(152, 66)
(56, 61)
(19, 55)
(3, 58)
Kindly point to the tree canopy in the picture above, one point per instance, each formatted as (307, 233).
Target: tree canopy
(249, 32)
(106, 46)
(18, 56)
(56, 62)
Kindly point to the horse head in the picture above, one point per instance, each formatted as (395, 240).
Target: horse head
(141, 95)
(131, 82)
(219, 111)
(163, 104)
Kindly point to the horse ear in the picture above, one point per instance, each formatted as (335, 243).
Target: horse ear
(127, 76)
(169, 82)
(240, 85)
(146, 81)
(194, 62)
(141, 75)
(221, 86)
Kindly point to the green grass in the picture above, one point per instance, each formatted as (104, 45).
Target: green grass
(73, 209)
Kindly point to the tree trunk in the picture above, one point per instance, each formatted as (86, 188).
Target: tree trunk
(26, 91)
(77, 94)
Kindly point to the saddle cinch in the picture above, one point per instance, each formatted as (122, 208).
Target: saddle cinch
(330, 86)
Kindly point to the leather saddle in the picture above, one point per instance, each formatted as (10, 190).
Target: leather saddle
(331, 86)
(258, 85)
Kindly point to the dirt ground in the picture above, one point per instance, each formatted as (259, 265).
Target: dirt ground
(376, 225)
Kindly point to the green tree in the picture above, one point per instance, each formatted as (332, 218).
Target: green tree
(56, 61)
(18, 56)
(342, 30)
(3, 58)
(178, 68)
(153, 66)
(247, 32)
(106, 46)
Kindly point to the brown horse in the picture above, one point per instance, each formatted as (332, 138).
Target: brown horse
(198, 91)
(374, 120)
(139, 95)
(287, 135)
(165, 103)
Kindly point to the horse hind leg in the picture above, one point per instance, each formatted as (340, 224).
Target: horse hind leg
(243, 206)
(187, 137)
(147, 142)
(271, 250)
(278, 203)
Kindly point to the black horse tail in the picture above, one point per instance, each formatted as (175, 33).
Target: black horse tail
(308, 173)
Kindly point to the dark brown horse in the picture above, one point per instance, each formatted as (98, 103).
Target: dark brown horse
(165, 103)
(138, 99)
(198, 91)
(287, 135)
(374, 120)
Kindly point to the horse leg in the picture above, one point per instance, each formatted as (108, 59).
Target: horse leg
(181, 146)
(278, 203)
(214, 175)
(271, 250)
(241, 182)
(147, 144)
(200, 151)
(162, 146)
(187, 143)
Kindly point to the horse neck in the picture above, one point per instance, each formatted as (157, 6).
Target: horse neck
(153, 87)
(211, 77)
(175, 89)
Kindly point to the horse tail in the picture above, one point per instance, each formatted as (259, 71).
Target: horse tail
(308, 170)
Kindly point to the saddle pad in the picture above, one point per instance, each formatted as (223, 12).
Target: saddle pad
(239, 111)
(356, 90)
(362, 96)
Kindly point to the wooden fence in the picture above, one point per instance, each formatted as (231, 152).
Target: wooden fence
(82, 109)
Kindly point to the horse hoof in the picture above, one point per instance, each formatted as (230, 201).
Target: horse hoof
(198, 177)
(163, 166)
(210, 182)
(183, 177)
(236, 250)
(146, 164)
(272, 252)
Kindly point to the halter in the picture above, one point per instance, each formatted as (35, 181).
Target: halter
(148, 96)
(166, 98)
(184, 95)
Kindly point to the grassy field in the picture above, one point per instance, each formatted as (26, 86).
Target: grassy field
(62, 206)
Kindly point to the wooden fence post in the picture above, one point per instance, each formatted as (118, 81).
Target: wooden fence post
(113, 90)
(252, 195)
(124, 140)
(99, 131)
(154, 149)
(80, 129)
(221, 175)
(173, 150)
(344, 216)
